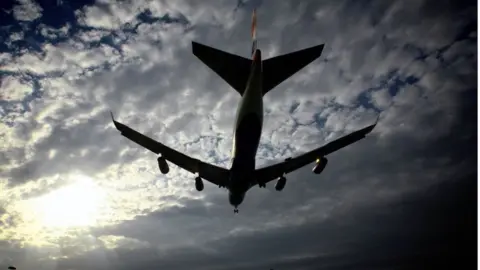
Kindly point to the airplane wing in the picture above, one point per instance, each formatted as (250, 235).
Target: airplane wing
(270, 173)
(214, 174)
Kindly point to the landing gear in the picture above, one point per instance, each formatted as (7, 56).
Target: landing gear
(235, 211)
(262, 185)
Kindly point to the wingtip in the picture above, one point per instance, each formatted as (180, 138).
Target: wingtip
(115, 123)
(319, 48)
(195, 46)
(374, 124)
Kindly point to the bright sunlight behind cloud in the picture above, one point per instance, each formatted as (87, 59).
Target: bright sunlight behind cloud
(75, 205)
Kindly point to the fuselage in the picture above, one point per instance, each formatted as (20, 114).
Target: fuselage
(247, 132)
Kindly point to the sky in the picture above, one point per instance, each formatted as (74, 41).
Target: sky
(78, 195)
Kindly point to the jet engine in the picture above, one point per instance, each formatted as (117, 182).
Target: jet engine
(198, 183)
(280, 183)
(163, 165)
(321, 163)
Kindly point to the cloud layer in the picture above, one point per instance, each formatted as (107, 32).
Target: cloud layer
(412, 63)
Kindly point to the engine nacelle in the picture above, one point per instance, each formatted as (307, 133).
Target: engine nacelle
(198, 184)
(321, 163)
(163, 165)
(280, 183)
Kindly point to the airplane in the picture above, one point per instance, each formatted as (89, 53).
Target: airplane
(252, 78)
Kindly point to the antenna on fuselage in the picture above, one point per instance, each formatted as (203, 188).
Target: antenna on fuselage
(254, 33)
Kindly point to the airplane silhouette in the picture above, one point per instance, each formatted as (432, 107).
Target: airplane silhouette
(252, 79)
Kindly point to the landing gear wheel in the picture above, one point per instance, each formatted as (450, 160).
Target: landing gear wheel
(235, 211)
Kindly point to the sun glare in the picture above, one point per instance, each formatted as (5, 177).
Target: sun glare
(76, 205)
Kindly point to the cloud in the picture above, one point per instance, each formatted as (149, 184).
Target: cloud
(14, 89)
(339, 243)
(411, 64)
(27, 10)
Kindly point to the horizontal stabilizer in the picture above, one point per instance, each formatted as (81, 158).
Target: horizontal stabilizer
(279, 68)
(232, 68)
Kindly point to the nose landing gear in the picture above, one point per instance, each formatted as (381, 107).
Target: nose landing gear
(235, 211)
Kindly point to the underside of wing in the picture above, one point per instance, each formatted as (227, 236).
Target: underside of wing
(269, 173)
(209, 172)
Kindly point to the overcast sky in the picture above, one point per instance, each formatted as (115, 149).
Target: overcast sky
(78, 195)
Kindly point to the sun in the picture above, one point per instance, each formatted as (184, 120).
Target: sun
(75, 205)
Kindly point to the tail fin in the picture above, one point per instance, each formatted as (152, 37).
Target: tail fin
(280, 68)
(232, 68)
(254, 33)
